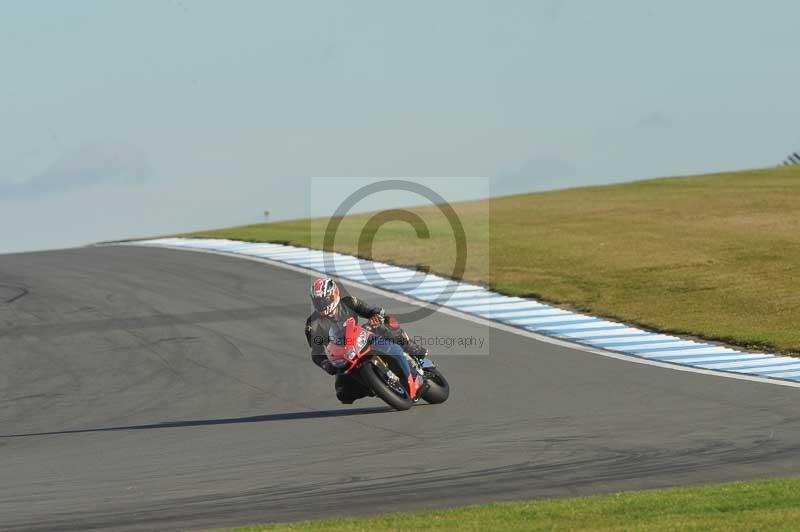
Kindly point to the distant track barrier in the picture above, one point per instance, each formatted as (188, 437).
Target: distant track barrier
(794, 158)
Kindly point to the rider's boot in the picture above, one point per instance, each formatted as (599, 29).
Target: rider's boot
(349, 389)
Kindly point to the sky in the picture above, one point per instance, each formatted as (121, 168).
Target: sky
(139, 118)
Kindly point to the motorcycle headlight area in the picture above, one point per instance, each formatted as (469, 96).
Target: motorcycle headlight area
(362, 341)
(340, 362)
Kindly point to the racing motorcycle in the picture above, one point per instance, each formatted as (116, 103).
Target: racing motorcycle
(383, 367)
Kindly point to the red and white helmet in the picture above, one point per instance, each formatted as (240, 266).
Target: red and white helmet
(325, 296)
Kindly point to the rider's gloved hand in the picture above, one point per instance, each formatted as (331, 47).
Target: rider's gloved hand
(376, 320)
(328, 367)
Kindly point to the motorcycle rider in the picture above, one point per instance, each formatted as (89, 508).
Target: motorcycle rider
(330, 309)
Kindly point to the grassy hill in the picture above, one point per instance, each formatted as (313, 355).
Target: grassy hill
(715, 256)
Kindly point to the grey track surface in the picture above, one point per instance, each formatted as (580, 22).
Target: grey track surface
(153, 389)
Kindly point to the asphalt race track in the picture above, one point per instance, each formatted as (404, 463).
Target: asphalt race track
(145, 388)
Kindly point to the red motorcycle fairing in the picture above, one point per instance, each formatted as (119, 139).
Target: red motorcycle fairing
(350, 344)
(415, 382)
(347, 347)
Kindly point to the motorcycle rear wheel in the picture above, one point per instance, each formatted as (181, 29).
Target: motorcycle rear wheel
(438, 387)
(370, 375)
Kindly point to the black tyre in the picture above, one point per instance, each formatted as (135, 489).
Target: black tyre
(439, 388)
(397, 397)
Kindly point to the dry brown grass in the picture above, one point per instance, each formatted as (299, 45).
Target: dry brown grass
(715, 256)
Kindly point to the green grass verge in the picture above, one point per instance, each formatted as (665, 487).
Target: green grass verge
(714, 256)
(760, 505)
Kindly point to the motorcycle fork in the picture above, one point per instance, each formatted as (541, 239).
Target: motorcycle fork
(384, 367)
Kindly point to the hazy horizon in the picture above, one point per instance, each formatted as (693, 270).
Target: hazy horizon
(130, 119)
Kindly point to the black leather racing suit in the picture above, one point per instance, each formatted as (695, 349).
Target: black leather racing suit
(348, 389)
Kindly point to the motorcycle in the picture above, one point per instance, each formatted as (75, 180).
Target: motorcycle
(383, 367)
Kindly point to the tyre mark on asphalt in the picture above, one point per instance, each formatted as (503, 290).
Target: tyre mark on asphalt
(22, 293)
(55, 330)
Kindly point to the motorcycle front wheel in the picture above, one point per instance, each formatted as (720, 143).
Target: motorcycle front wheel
(395, 395)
